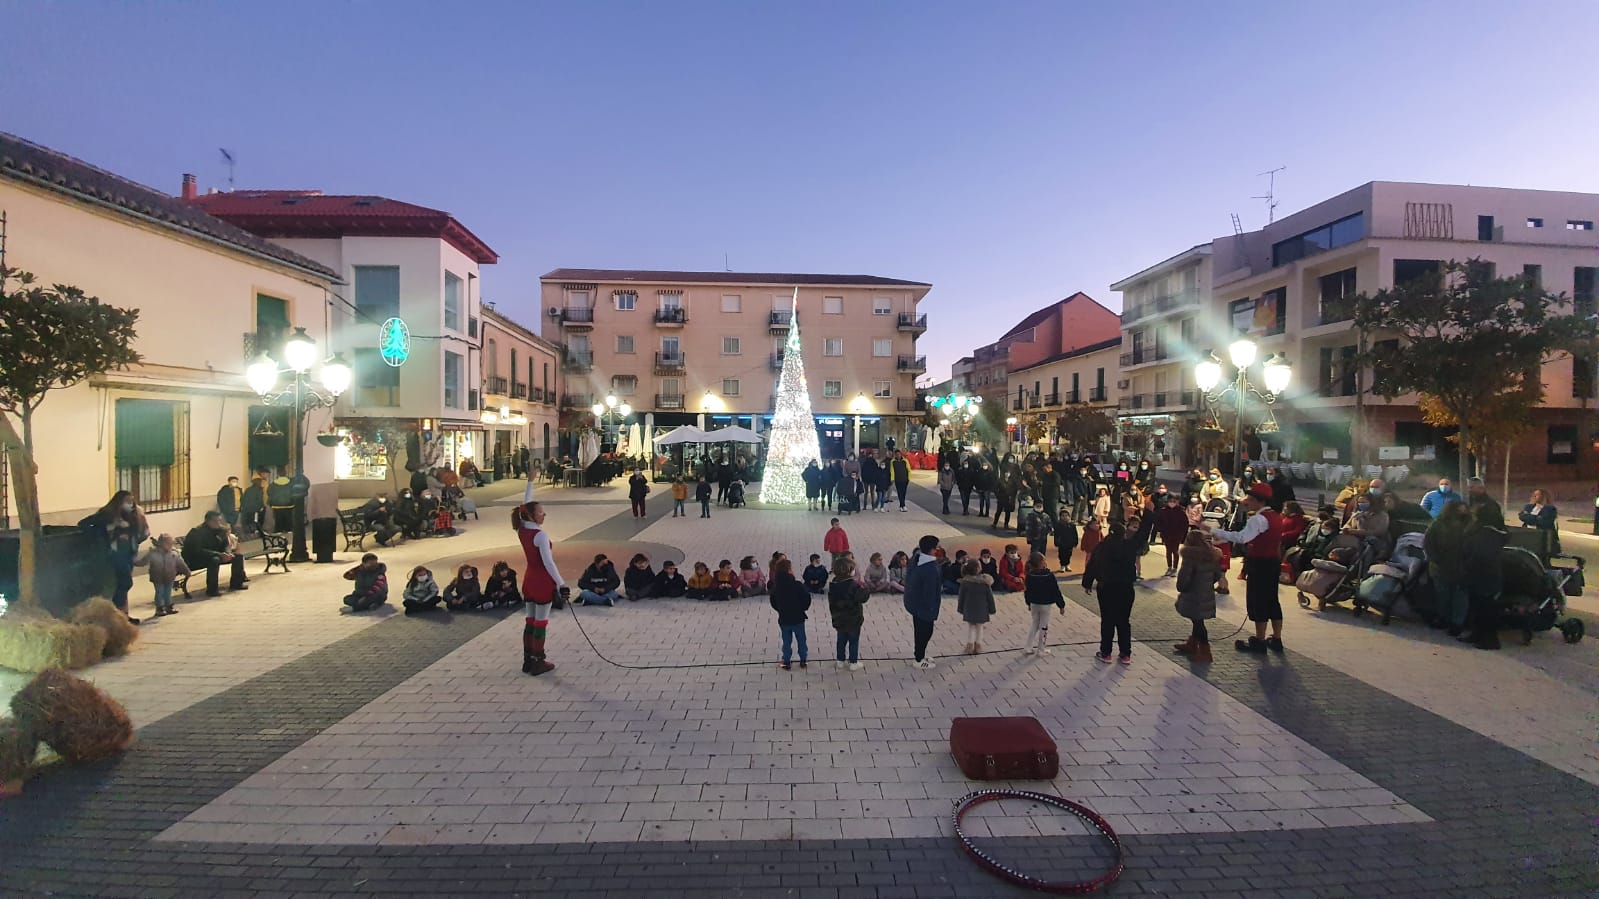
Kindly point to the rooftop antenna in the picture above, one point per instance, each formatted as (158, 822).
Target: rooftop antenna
(227, 158)
(726, 266)
(1271, 193)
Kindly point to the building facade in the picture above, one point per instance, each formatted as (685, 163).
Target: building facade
(1162, 307)
(1041, 392)
(706, 348)
(400, 261)
(210, 297)
(521, 388)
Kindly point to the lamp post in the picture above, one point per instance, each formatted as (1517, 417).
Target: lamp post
(604, 412)
(299, 354)
(956, 411)
(858, 407)
(1275, 372)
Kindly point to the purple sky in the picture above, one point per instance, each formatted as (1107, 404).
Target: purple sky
(1008, 153)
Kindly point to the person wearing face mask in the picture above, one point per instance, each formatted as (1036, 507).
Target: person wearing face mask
(1435, 500)
(121, 526)
(1370, 522)
(1215, 487)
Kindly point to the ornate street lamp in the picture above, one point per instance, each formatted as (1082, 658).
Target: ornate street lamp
(605, 412)
(956, 412)
(299, 355)
(1275, 372)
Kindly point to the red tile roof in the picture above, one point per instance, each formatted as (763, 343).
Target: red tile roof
(313, 214)
(587, 275)
(23, 160)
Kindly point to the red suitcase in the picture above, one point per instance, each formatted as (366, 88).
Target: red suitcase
(1003, 749)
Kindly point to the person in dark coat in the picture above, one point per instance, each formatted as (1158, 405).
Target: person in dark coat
(1192, 487)
(638, 487)
(1004, 501)
(1444, 545)
(900, 474)
(984, 485)
(1114, 569)
(790, 600)
(1049, 484)
(846, 602)
(1065, 538)
(869, 478)
(1282, 492)
(923, 595)
(379, 515)
(120, 527)
(252, 506)
(668, 582)
(1171, 523)
(812, 476)
(832, 475)
(1484, 574)
(965, 477)
(206, 546)
(1542, 514)
(230, 499)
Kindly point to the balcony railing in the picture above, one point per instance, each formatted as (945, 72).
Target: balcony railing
(779, 321)
(1016, 405)
(1335, 311)
(670, 362)
(1096, 395)
(577, 315)
(672, 315)
(578, 361)
(909, 404)
(669, 401)
(776, 360)
(1052, 399)
(518, 391)
(496, 386)
(258, 342)
(1160, 400)
(910, 321)
(1034, 401)
(1074, 396)
(912, 363)
(577, 400)
(1182, 299)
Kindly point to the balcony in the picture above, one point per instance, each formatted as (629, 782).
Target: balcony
(669, 363)
(1074, 396)
(912, 363)
(578, 317)
(671, 317)
(1160, 400)
(1016, 404)
(518, 391)
(258, 342)
(1097, 395)
(776, 360)
(1052, 399)
(779, 321)
(1034, 401)
(1182, 299)
(578, 361)
(577, 400)
(909, 404)
(669, 401)
(495, 386)
(910, 321)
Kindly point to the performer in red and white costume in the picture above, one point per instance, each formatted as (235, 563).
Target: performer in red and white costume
(540, 585)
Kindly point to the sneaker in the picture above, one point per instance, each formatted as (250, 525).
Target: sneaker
(926, 664)
(1253, 644)
(1046, 651)
(1125, 660)
(160, 613)
(1103, 657)
(783, 665)
(840, 664)
(1031, 650)
(172, 610)
(1275, 644)
(854, 666)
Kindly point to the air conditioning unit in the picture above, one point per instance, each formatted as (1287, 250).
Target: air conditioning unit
(1123, 384)
(555, 312)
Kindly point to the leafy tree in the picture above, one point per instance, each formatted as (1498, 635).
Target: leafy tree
(50, 338)
(1471, 342)
(1509, 419)
(1084, 428)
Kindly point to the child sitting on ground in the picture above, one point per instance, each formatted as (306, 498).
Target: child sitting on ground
(501, 589)
(724, 583)
(815, 577)
(1012, 570)
(790, 600)
(599, 583)
(990, 567)
(1043, 591)
(371, 584)
(165, 566)
(976, 603)
(876, 579)
(700, 582)
(897, 569)
(952, 573)
(639, 580)
(771, 567)
(751, 582)
(668, 583)
(465, 592)
(421, 591)
(846, 600)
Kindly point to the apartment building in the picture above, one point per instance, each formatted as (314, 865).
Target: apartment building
(521, 388)
(1040, 391)
(1063, 327)
(400, 261)
(1288, 286)
(706, 348)
(211, 297)
(1161, 308)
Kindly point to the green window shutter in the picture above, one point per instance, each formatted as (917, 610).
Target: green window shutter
(145, 433)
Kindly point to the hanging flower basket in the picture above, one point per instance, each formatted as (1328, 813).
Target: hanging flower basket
(330, 439)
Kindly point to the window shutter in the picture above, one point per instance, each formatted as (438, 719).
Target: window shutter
(145, 433)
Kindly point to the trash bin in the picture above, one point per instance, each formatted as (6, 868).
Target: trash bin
(324, 538)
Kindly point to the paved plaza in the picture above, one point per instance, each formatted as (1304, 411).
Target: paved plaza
(287, 747)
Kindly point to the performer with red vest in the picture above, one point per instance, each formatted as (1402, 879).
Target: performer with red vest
(540, 586)
(1262, 537)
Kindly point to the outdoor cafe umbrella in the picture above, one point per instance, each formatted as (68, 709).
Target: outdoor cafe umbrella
(733, 434)
(589, 450)
(684, 434)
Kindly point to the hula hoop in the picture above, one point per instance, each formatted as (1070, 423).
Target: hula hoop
(972, 800)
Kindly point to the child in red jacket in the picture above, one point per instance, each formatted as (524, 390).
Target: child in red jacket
(1012, 570)
(836, 541)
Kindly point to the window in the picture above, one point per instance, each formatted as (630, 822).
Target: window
(1337, 295)
(1578, 225)
(732, 302)
(1582, 377)
(1533, 273)
(833, 305)
(377, 292)
(626, 300)
(671, 302)
(832, 388)
(1562, 445)
(882, 346)
(833, 346)
(670, 348)
(1534, 223)
(577, 299)
(152, 456)
(1408, 270)
(1328, 237)
(271, 324)
(730, 387)
(546, 379)
(452, 302)
(624, 343)
(1485, 227)
(1583, 278)
(731, 346)
(882, 389)
(624, 384)
(452, 379)
(376, 382)
(513, 372)
(882, 306)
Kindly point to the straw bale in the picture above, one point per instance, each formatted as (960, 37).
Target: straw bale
(18, 746)
(120, 632)
(73, 717)
(36, 643)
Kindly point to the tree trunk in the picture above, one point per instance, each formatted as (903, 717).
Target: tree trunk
(1465, 452)
(1508, 447)
(24, 481)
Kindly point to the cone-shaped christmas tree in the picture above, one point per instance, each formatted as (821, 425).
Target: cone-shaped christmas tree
(792, 443)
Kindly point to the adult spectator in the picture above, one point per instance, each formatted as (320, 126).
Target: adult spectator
(206, 546)
(923, 595)
(1483, 571)
(253, 505)
(230, 499)
(638, 487)
(121, 527)
(1542, 514)
(1433, 502)
(900, 473)
(1282, 492)
(1444, 544)
(1477, 496)
(1261, 536)
(379, 516)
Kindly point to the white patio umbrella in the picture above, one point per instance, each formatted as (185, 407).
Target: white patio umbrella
(635, 440)
(589, 450)
(684, 434)
(734, 434)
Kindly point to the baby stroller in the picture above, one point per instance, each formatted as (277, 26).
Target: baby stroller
(735, 494)
(1313, 545)
(1536, 584)
(1335, 578)
(1386, 582)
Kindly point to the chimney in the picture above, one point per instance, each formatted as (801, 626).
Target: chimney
(191, 188)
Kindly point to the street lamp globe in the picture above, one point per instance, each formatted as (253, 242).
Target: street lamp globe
(624, 410)
(1278, 373)
(1207, 374)
(336, 374)
(598, 409)
(299, 351)
(610, 400)
(1242, 352)
(262, 374)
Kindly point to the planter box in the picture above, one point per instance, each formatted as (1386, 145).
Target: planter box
(73, 567)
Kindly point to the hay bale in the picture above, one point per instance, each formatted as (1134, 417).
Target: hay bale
(18, 746)
(73, 717)
(120, 632)
(39, 642)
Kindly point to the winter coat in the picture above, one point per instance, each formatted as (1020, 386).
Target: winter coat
(421, 591)
(1114, 563)
(638, 486)
(812, 476)
(1482, 569)
(815, 578)
(1215, 489)
(846, 600)
(946, 480)
(1294, 527)
(464, 592)
(601, 579)
(923, 588)
(976, 600)
(1042, 589)
(1171, 523)
(1012, 572)
(990, 567)
(204, 546)
(1039, 528)
(1092, 537)
(670, 584)
(165, 566)
(501, 587)
(790, 599)
(697, 581)
(638, 579)
(751, 580)
(1281, 492)
(900, 471)
(1443, 544)
(835, 541)
(702, 492)
(1196, 582)
(370, 582)
(876, 578)
(679, 491)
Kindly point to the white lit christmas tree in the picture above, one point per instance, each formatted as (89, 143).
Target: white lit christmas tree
(792, 443)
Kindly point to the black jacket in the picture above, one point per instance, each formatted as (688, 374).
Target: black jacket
(600, 580)
(637, 486)
(204, 547)
(790, 599)
(1114, 563)
(846, 601)
(670, 584)
(638, 579)
(1042, 589)
(702, 492)
(815, 578)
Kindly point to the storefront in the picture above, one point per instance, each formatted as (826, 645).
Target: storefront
(1156, 437)
(368, 452)
(458, 441)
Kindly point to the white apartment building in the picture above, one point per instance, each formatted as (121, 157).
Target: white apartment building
(1161, 308)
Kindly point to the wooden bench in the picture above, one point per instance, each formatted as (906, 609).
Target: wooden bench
(274, 548)
(354, 525)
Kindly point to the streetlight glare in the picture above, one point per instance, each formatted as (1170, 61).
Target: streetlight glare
(262, 375)
(597, 408)
(624, 410)
(336, 374)
(299, 351)
(1278, 373)
(1242, 352)
(1207, 375)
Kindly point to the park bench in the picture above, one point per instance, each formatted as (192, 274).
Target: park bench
(356, 529)
(274, 548)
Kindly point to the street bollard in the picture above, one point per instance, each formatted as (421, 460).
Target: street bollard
(1596, 514)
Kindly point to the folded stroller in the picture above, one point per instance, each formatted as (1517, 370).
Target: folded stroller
(1332, 580)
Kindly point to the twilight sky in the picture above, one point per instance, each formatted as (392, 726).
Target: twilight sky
(1010, 153)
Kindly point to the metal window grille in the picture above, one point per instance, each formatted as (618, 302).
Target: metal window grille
(163, 488)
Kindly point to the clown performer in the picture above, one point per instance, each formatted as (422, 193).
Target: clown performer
(540, 585)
